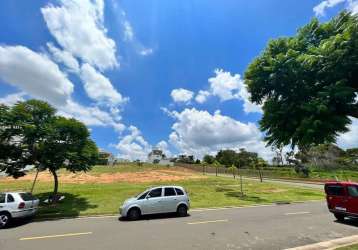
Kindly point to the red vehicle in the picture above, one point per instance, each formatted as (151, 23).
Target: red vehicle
(342, 199)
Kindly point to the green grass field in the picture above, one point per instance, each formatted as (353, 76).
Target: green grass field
(105, 198)
(352, 247)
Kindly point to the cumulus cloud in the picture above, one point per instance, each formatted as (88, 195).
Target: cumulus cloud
(163, 145)
(91, 115)
(133, 146)
(227, 86)
(98, 87)
(181, 95)
(38, 76)
(199, 132)
(64, 57)
(320, 9)
(11, 99)
(35, 74)
(78, 27)
(202, 96)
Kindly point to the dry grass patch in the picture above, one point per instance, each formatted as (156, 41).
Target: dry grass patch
(160, 175)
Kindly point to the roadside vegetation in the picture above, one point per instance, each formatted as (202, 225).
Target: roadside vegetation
(352, 247)
(99, 196)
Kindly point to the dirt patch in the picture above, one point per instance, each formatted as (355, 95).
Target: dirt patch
(132, 177)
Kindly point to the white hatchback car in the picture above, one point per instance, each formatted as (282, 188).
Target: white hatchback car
(164, 199)
(15, 205)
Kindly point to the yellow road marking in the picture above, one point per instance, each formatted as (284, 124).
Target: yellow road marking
(208, 221)
(55, 236)
(297, 213)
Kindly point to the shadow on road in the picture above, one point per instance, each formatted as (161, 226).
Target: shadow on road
(154, 217)
(349, 222)
(71, 206)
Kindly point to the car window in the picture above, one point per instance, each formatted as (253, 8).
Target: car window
(27, 196)
(155, 193)
(179, 191)
(336, 190)
(143, 196)
(10, 198)
(353, 191)
(2, 198)
(169, 192)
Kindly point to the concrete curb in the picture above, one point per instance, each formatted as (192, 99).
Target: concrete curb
(192, 210)
(329, 245)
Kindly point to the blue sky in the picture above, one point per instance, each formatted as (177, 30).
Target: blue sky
(133, 70)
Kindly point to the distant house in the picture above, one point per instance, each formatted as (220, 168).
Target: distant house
(105, 158)
(156, 156)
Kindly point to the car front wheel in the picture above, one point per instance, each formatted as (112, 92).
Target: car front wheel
(133, 214)
(4, 219)
(339, 217)
(182, 211)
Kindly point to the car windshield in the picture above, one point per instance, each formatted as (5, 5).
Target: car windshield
(141, 193)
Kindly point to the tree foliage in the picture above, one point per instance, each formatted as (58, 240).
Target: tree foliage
(209, 159)
(308, 83)
(31, 134)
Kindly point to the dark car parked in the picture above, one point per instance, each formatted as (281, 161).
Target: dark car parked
(342, 199)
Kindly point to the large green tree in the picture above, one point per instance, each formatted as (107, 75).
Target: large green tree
(31, 134)
(308, 83)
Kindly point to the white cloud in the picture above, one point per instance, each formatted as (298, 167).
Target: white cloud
(349, 139)
(133, 146)
(181, 95)
(39, 77)
(320, 9)
(227, 87)
(353, 6)
(62, 56)
(146, 51)
(128, 31)
(78, 27)
(11, 99)
(98, 87)
(91, 116)
(202, 96)
(163, 145)
(35, 74)
(199, 132)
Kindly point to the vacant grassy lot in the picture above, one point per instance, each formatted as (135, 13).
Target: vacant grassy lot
(289, 173)
(86, 196)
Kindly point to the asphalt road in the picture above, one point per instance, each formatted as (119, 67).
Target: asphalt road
(265, 227)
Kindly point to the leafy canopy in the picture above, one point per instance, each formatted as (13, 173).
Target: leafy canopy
(31, 134)
(308, 83)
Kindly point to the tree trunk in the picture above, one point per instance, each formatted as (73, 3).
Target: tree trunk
(33, 184)
(55, 189)
(241, 189)
(216, 171)
(260, 174)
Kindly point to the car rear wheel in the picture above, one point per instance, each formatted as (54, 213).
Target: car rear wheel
(133, 214)
(182, 211)
(339, 217)
(4, 219)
